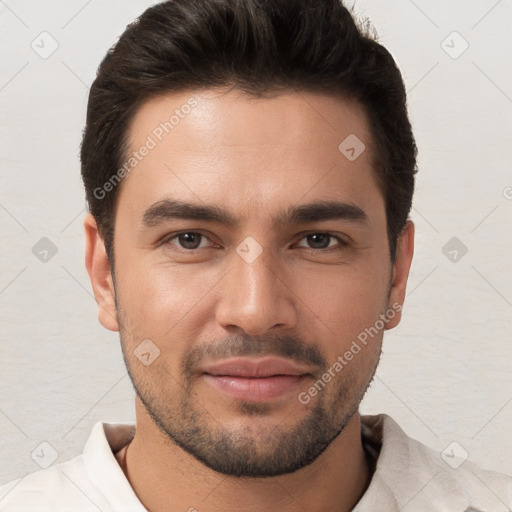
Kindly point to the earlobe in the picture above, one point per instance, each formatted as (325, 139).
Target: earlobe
(98, 268)
(401, 267)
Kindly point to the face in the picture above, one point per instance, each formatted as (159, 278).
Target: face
(252, 274)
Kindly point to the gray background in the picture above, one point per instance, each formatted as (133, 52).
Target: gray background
(445, 371)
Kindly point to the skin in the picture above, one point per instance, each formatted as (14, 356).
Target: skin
(252, 157)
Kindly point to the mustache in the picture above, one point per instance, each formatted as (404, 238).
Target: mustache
(253, 346)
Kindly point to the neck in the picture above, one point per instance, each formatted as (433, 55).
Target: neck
(165, 477)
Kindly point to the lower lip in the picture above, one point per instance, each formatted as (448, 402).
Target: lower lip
(255, 389)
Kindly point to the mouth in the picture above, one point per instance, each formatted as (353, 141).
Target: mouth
(256, 380)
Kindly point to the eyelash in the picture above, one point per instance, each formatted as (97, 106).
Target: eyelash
(342, 243)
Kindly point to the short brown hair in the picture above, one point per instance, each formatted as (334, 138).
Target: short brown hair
(256, 46)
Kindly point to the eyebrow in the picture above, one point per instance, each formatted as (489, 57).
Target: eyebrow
(170, 209)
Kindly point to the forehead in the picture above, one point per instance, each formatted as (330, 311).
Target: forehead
(248, 153)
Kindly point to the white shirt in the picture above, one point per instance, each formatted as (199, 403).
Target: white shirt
(409, 477)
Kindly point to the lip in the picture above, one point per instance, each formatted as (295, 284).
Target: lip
(255, 380)
(256, 367)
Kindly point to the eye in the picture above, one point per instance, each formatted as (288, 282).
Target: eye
(322, 240)
(188, 240)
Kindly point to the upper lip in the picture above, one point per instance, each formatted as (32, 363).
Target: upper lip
(256, 367)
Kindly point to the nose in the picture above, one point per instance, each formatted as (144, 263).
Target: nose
(256, 296)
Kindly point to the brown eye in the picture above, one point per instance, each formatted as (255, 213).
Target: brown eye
(319, 240)
(322, 241)
(189, 240)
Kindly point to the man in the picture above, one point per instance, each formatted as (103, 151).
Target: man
(249, 167)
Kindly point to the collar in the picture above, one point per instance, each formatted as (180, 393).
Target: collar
(408, 476)
(103, 469)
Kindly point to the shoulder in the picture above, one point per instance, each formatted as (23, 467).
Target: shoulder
(51, 489)
(413, 473)
(91, 481)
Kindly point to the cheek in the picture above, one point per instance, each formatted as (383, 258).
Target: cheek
(345, 299)
(165, 304)
(160, 292)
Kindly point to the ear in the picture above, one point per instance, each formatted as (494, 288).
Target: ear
(404, 253)
(98, 267)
